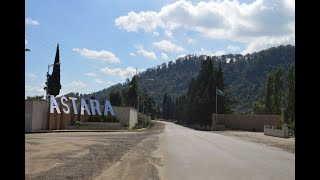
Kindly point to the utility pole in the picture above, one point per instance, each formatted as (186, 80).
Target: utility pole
(216, 106)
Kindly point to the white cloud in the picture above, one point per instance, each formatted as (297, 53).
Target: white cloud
(90, 74)
(76, 84)
(191, 41)
(233, 48)
(132, 54)
(155, 33)
(210, 53)
(168, 46)
(219, 53)
(99, 81)
(30, 76)
(145, 53)
(267, 42)
(168, 33)
(34, 89)
(30, 21)
(271, 21)
(128, 72)
(164, 55)
(103, 55)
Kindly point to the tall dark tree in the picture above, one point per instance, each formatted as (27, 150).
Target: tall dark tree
(277, 91)
(220, 78)
(115, 98)
(290, 94)
(201, 95)
(149, 107)
(270, 93)
(165, 107)
(133, 93)
(54, 79)
(220, 85)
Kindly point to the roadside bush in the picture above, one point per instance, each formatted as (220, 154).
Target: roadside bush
(143, 121)
(94, 118)
(110, 118)
(77, 123)
(102, 118)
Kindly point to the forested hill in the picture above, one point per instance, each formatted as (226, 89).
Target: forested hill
(245, 75)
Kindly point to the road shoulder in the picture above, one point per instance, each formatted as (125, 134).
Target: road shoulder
(286, 144)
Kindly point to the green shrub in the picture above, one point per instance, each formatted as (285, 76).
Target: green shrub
(292, 126)
(143, 121)
(110, 118)
(95, 118)
(77, 123)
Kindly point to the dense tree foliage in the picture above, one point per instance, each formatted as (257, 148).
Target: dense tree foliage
(274, 103)
(290, 96)
(198, 104)
(115, 98)
(244, 78)
(35, 97)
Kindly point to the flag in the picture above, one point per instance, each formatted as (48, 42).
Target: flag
(219, 93)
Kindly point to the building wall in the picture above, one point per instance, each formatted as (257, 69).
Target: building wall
(126, 115)
(28, 116)
(245, 122)
(38, 117)
(133, 120)
(123, 113)
(36, 113)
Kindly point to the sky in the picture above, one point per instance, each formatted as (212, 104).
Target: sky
(104, 42)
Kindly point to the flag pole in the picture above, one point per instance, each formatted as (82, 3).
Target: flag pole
(216, 106)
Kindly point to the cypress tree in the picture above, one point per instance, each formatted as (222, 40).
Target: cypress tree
(290, 94)
(133, 93)
(270, 93)
(278, 91)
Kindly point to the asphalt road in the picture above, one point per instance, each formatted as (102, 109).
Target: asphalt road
(190, 154)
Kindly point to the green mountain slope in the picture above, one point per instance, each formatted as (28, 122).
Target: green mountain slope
(244, 75)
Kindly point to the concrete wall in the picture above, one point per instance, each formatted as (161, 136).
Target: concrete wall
(37, 116)
(28, 116)
(133, 120)
(123, 113)
(245, 122)
(273, 131)
(126, 115)
(36, 113)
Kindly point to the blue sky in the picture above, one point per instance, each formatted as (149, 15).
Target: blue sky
(103, 42)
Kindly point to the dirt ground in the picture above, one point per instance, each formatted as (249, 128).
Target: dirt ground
(90, 155)
(286, 144)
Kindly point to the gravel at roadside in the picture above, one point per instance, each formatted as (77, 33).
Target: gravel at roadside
(78, 155)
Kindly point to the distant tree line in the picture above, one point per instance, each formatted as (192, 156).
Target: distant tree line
(199, 102)
(273, 103)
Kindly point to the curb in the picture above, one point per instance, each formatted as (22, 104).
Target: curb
(139, 130)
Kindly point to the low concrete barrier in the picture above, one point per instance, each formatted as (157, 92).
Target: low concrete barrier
(273, 131)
